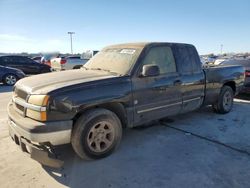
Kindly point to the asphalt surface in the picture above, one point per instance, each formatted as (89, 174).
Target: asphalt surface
(198, 149)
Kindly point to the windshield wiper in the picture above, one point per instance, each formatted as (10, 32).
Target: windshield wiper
(106, 70)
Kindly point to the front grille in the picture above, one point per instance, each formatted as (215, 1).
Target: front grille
(19, 107)
(21, 94)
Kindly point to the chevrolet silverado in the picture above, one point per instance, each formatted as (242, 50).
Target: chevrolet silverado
(123, 86)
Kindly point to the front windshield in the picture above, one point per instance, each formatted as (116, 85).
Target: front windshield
(114, 60)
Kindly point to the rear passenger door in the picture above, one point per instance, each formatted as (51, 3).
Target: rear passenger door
(192, 76)
(159, 96)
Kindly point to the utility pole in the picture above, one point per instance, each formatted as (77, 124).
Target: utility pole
(221, 49)
(71, 33)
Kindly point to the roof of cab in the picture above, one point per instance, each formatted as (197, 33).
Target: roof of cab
(143, 44)
(128, 45)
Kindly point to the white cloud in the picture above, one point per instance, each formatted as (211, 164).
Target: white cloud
(13, 37)
(19, 43)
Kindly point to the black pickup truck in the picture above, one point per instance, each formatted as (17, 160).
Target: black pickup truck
(123, 86)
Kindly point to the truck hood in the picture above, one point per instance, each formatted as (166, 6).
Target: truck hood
(45, 83)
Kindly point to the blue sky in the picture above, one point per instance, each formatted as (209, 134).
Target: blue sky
(42, 25)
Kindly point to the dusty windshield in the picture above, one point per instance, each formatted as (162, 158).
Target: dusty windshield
(114, 60)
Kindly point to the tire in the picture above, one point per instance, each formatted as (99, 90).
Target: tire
(96, 134)
(77, 67)
(10, 79)
(224, 103)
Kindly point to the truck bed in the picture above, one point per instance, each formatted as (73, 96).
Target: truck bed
(216, 76)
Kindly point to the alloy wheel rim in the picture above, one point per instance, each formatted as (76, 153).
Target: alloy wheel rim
(101, 137)
(10, 80)
(227, 100)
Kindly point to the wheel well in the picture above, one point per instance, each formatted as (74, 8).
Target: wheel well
(116, 108)
(9, 74)
(231, 84)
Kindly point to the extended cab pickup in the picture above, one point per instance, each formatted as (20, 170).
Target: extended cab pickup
(122, 86)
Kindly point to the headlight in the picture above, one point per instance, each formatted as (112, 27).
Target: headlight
(39, 100)
(38, 110)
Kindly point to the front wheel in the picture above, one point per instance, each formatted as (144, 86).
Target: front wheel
(96, 134)
(10, 79)
(224, 103)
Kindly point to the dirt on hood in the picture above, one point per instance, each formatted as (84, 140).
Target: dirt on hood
(45, 83)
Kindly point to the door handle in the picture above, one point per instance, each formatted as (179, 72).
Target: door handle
(177, 82)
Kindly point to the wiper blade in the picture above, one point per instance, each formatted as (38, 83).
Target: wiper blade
(106, 70)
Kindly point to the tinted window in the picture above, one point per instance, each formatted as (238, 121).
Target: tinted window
(163, 57)
(21, 60)
(2, 61)
(194, 58)
(28, 60)
(187, 57)
(182, 57)
(6, 60)
(14, 59)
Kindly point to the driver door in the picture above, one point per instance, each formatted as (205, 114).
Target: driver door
(157, 96)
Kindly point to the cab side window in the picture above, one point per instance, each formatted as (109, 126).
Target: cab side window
(163, 57)
(183, 58)
(194, 58)
(187, 58)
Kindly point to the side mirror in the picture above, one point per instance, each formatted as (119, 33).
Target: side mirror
(150, 70)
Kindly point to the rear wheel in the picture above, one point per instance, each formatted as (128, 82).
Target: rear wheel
(225, 100)
(96, 134)
(77, 67)
(10, 79)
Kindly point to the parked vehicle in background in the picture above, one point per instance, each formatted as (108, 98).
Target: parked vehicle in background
(67, 63)
(27, 65)
(48, 56)
(219, 61)
(9, 76)
(203, 60)
(246, 64)
(88, 54)
(37, 59)
(211, 59)
(74, 62)
(124, 85)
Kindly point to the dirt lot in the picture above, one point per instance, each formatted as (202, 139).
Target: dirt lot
(198, 149)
